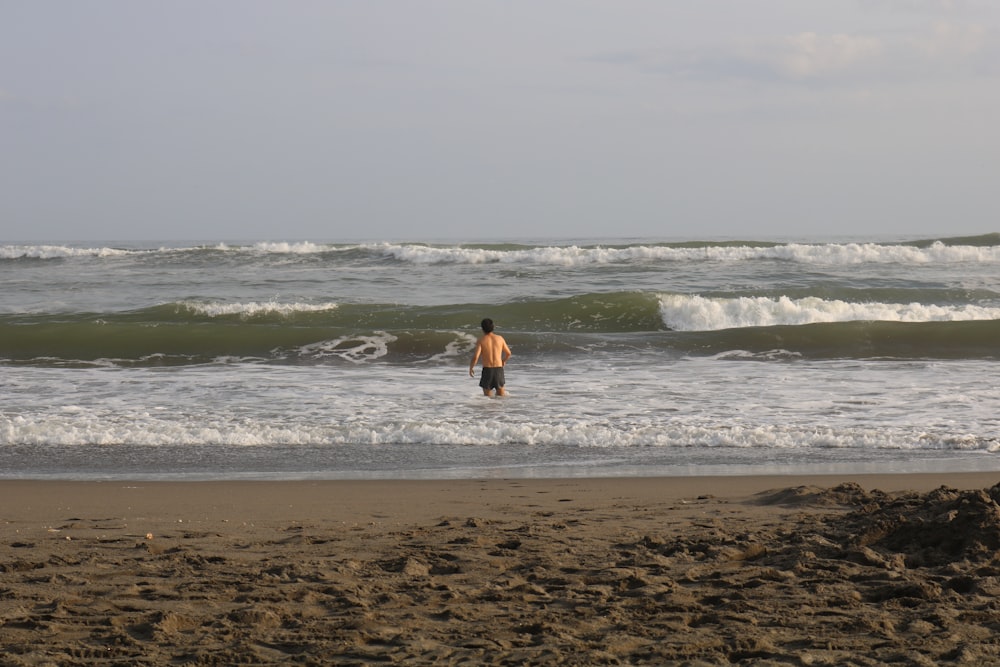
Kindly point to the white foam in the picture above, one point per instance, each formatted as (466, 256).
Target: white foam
(829, 254)
(572, 255)
(154, 428)
(254, 308)
(457, 348)
(547, 256)
(697, 313)
(299, 248)
(356, 349)
(56, 252)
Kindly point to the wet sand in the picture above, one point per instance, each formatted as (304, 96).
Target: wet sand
(814, 570)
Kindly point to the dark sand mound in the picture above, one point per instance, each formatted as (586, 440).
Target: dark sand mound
(936, 528)
(845, 495)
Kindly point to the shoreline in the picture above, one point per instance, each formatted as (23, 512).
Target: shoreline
(761, 569)
(829, 469)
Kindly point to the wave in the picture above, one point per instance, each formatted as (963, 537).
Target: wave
(980, 240)
(698, 313)
(126, 346)
(130, 344)
(613, 312)
(58, 252)
(129, 438)
(983, 248)
(578, 256)
(848, 340)
(253, 309)
(258, 249)
(190, 332)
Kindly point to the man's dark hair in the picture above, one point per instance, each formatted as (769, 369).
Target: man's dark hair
(487, 325)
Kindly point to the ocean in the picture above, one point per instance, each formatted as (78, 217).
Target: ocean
(330, 360)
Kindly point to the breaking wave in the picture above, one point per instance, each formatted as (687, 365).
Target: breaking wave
(977, 249)
(194, 332)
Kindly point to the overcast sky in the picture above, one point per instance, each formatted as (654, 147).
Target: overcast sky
(460, 119)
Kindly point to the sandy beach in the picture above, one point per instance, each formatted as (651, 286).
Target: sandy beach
(816, 570)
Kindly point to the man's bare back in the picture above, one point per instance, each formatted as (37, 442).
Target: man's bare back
(494, 352)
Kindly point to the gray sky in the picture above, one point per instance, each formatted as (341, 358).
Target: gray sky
(464, 119)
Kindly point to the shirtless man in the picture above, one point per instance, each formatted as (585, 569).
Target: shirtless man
(495, 353)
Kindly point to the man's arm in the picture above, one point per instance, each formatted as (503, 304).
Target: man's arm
(505, 354)
(475, 358)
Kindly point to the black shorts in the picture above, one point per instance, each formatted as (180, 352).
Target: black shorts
(492, 378)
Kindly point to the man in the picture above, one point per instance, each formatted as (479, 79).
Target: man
(495, 353)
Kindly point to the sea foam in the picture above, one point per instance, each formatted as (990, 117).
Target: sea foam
(833, 254)
(254, 308)
(828, 254)
(698, 313)
(157, 428)
(56, 252)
